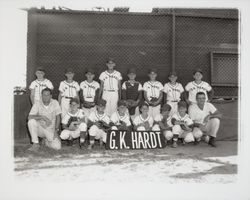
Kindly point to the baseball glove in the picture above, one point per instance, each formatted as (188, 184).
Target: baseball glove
(72, 119)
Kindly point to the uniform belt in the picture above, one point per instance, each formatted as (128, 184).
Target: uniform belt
(110, 90)
(68, 97)
(174, 101)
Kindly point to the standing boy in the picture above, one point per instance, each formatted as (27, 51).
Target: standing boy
(182, 125)
(173, 92)
(98, 123)
(68, 89)
(197, 86)
(110, 89)
(89, 92)
(74, 123)
(132, 92)
(153, 93)
(120, 119)
(38, 85)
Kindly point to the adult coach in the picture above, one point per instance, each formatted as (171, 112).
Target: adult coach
(44, 121)
(206, 119)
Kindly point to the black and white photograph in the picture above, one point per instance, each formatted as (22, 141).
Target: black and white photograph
(124, 100)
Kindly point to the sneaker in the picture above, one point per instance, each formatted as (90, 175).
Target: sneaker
(34, 148)
(212, 142)
(69, 142)
(174, 145)
(206, 138)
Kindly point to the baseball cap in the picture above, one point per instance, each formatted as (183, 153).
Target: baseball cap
(122, 103)
(131, 71)
(153, 70)
(144, 103)
(101, 102)
(110, 60)
(90, 70)
(74, 100)
(172, 73)
(197, 70)
(182, 104)
(40, 69)
(166, 107)
(69, 70)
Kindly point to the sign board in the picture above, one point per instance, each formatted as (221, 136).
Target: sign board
(135, 140)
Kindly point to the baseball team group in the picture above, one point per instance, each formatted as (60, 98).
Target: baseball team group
(87, 112)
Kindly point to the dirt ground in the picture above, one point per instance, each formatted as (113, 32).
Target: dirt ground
(185, 164)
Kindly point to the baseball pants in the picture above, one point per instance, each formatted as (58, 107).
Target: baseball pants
(98, 133)
(167, 133)
(210, 128)
(64, 106)
(186, 135)
(67, 134)
(112, 98)
(36, 130)
(154, 111)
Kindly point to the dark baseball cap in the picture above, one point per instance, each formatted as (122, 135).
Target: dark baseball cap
(122, 103)
(197, 70)
(101, 102)
(172, 73)
(182, 104)
(69, 70)
(110, 60)
(90, 70)
(153, 70)
(166, 107)
(76, 100)
(131, 71)
(41, 69)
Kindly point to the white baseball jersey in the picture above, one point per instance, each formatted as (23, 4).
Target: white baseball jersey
(110, 80)
(38, 86)
(159, 118)
(186, 119)
(198, 115)
(79, 114)
(153, 89)
(95, 117)
(173, 91)
(193, 88)
(69, 89)
(89, 90)
(138, 120)
(125, 87)
(116, 118)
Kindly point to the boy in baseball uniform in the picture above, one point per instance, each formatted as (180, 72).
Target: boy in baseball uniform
(153, 93)
(68, 89)
(162, 122)
(173, 92)
(74, 124)
(110, 89)
(206, 119)
(89, 92)
(144, 121)
(132, 92)
(120, 119)
(38, 85)
(197, 86)
(182, 125)
(98, 123)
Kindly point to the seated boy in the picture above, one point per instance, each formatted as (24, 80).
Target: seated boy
(144, 121)
(120, 120)
(162, 122)
(98, 123)
(182, 125)
(74, 124)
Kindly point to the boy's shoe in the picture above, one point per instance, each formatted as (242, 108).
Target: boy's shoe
(34, 148)
(212, 142)
(174, 145)
(70, 142)
(197, 141)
